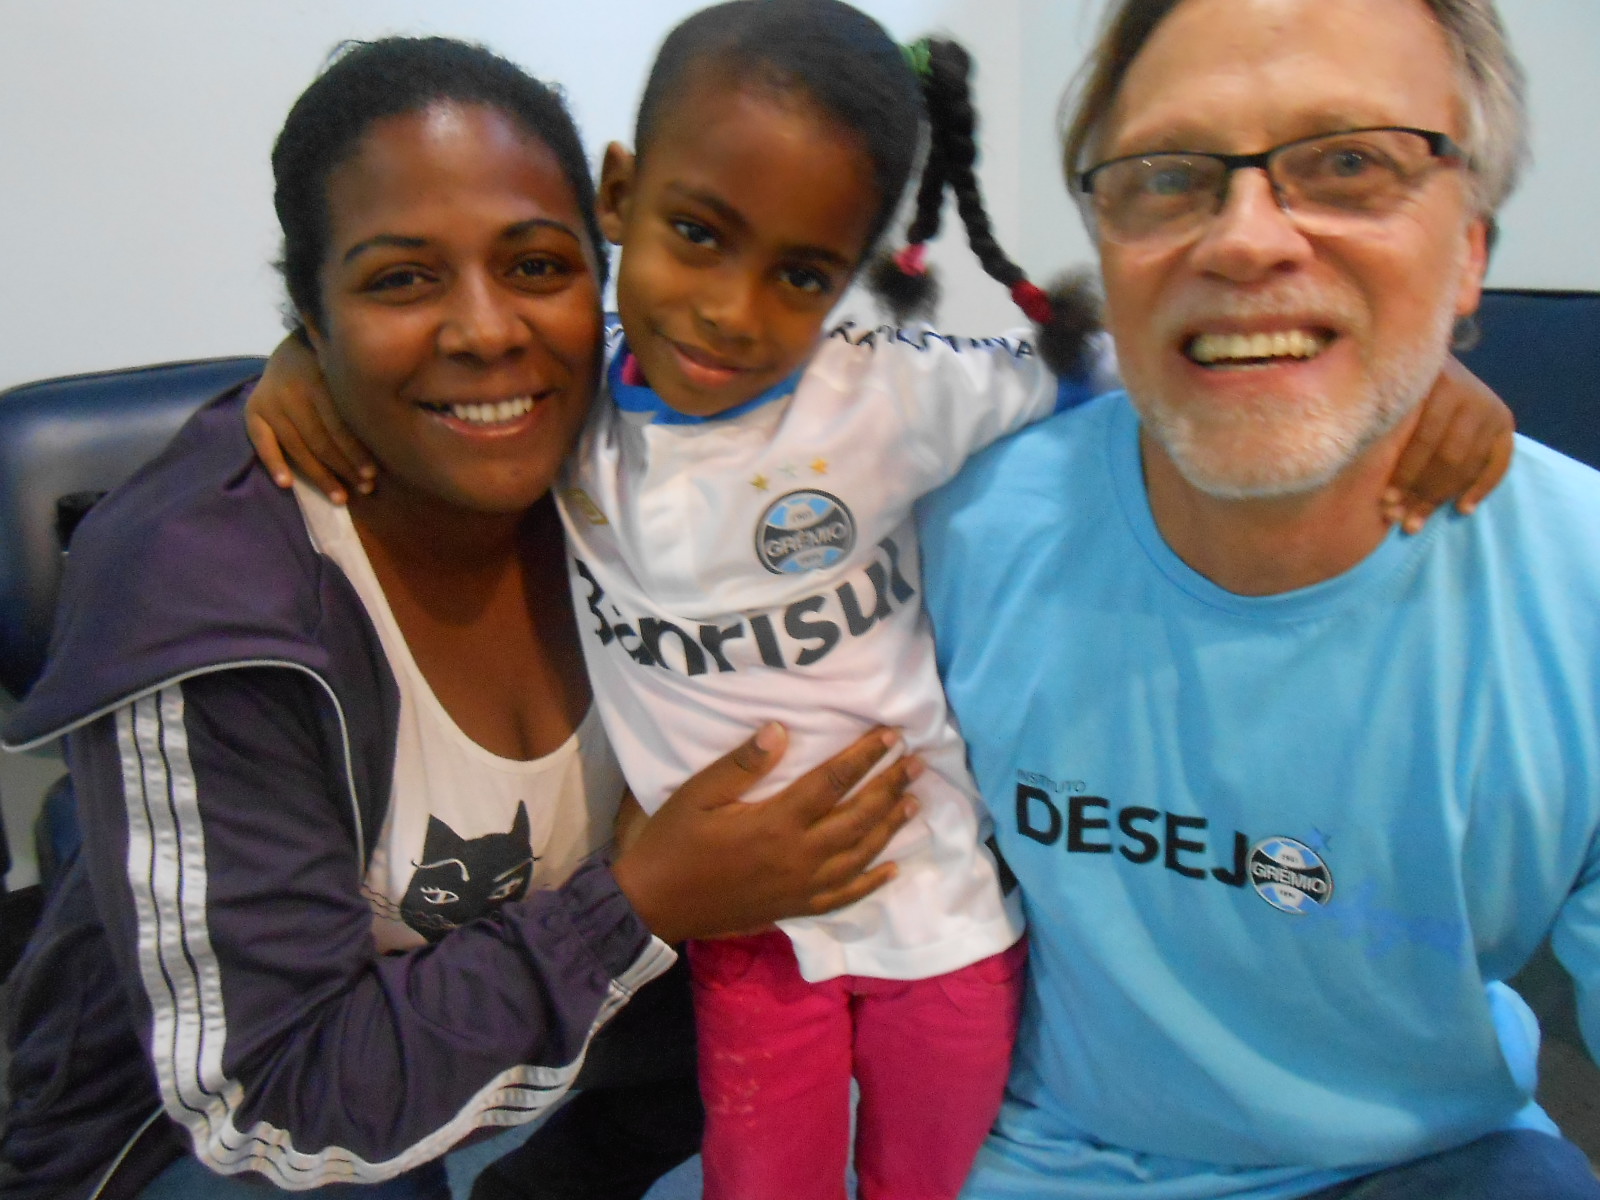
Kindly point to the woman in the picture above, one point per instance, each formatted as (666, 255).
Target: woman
(337, 908)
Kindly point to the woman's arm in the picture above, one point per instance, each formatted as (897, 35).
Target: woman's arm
(708, 864)
(227, 870)
(225, 862)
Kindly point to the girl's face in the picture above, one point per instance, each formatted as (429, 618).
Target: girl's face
(740, 226)
(461, 310)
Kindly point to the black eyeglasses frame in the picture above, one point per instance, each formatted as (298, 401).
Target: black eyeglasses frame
(1440, 145)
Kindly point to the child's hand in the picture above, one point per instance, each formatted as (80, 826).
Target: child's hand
(291, 412)
(1461, 447)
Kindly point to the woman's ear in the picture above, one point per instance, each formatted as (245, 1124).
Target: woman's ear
(617, 172)
(299, 323)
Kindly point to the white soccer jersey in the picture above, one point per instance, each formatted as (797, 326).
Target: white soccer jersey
(762, 565)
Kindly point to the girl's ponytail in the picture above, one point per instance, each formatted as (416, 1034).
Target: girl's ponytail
(1067, 315)
(901, 279)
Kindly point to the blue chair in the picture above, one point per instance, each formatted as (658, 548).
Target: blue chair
(1541, 352)
(63, 444)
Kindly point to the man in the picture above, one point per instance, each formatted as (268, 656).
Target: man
(1288, 795)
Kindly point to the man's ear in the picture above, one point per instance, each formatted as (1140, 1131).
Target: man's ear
(1473, 271)
(617, 173)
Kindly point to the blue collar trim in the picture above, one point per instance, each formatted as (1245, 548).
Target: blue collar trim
(638, 398)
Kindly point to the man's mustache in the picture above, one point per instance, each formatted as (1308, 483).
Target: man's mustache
(1313, 305)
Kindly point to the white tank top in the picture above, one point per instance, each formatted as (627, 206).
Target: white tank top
(465, 829)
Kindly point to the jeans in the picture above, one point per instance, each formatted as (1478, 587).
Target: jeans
(1518, 1164)
(187, 1179)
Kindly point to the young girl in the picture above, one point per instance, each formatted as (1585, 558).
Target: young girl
(743, 550)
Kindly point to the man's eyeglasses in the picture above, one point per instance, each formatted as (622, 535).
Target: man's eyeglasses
(1328, 183)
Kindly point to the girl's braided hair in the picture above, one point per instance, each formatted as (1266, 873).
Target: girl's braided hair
(1067, 314)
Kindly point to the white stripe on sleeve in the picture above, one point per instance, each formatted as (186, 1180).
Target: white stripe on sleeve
(167, 873)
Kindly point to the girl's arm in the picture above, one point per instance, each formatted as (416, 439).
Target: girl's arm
(1461, 447)
(291, 414)
(218, 834)
(960, 394)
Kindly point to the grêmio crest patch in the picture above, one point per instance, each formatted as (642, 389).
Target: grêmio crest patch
(804, 531)
(1290, 875)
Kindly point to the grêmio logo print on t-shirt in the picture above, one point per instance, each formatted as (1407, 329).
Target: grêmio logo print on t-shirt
(1285, 872)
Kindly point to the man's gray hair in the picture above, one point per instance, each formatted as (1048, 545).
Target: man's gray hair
(1492, 89)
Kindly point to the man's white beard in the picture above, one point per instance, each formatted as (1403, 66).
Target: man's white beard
(1270, 450)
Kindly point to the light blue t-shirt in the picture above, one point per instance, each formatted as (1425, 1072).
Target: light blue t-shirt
(1275, 852)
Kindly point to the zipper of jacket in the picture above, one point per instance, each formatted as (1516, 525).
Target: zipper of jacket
(123, 1153)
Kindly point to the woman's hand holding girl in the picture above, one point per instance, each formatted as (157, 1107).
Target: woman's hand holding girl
(706, 863)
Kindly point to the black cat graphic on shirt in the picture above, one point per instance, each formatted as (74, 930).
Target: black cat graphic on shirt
(458, 879)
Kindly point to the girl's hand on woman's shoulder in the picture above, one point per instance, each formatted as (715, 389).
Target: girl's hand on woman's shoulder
(707, 863)
(291, 414)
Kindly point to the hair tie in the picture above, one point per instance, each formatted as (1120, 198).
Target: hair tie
(919, 58)
(1031, 299)
(913, 260)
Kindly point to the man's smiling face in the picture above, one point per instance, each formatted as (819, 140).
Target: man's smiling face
(1263, 358)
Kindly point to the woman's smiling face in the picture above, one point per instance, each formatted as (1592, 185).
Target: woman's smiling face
(461, 330)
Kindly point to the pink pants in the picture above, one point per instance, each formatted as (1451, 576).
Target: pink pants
(777, 1055)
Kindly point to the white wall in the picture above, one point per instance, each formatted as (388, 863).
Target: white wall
(135, 196)
(135, 190)
(1549, 228)
(134, 140)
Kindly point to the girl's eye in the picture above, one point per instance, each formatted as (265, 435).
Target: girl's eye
(694, 233)
(807, 280)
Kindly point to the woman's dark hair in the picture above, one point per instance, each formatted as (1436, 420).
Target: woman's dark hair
(368, 81)
(1067, 314)
(836, 56)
